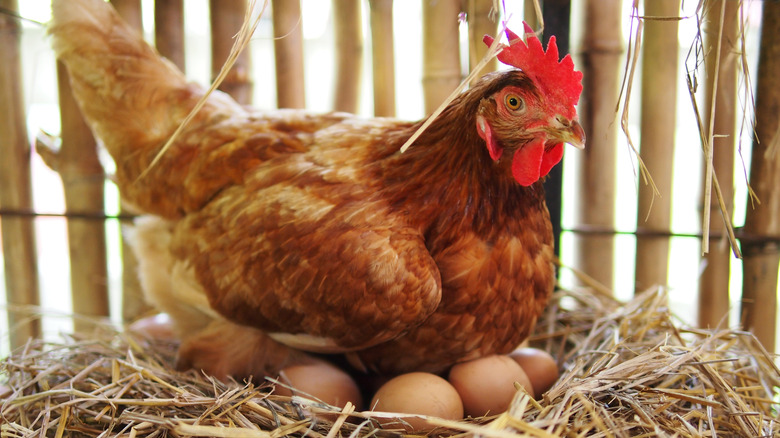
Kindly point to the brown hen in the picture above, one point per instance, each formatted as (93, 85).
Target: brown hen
(270, 234)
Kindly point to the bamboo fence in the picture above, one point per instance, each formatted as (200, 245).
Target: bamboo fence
(382, 49)
(441, 52)
(19, 251)
(169, 39)
(556, 15)
(722, 26)
(130, 10)
(226, 18)
(348, 24)
(658, 124)
(288, 49)
(762, 224)
(83, 180)
(599, 58)
(482, 21)
(133, 303)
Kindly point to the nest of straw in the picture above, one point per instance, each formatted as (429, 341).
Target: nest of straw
(628, 369)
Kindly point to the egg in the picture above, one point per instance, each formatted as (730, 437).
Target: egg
(417, 393)
(158, 327)
(486, 385)
(541, 368)
(321, 380)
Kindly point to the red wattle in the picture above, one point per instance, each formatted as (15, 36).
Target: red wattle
(527, 163)
(550, 159)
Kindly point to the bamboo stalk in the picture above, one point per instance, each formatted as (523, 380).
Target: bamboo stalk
(602, 49)
(348, 24)
(288, 51)
(761, 259)
(130, 11)
(531, 13)
(83, 180)
(19, 254)
(133, 302)
(383, 57)
(556, 16)
(714, 282)
(169, 30)
(482, 21)
(441, 52)
(658, 122)
(227, 17)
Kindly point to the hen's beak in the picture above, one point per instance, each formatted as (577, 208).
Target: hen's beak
(571, 133)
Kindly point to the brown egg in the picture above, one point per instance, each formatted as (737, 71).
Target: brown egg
(158, 327)
(486, 385)
(540, 367)
(417, 393)
(321, 380)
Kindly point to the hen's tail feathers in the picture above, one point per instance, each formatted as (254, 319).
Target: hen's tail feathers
(131, 97)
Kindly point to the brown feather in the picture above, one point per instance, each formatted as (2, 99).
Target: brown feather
(313, 229)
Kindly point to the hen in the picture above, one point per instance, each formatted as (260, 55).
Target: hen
(274, 233)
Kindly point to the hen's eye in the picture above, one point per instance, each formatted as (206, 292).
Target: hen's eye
(513, 102)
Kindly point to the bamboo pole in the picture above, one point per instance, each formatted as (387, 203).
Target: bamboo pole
(133, 303)
(20, 258)
(482, 20)
(557, 21)
(169, 30)
(383, 57)
(658, 122)
(601, 53)
(348, 27)
(441, 52)
(714, 282)
(130, 11)
(227, 17)
(761, 256)
(530, 14)
(83, 180)
(288, 50)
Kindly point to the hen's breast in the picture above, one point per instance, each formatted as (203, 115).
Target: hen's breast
(492, 293)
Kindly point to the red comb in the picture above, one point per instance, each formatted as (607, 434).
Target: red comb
(554, 78)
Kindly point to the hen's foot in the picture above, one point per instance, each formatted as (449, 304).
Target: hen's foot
(224, 349)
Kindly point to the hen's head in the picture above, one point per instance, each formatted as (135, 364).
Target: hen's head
(533, 110)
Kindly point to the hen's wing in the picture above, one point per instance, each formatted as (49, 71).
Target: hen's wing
(303, 251)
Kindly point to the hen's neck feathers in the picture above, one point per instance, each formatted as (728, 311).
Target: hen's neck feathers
(447, 179)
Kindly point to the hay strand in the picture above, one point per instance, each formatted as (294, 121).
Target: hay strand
(714, 284)
(482, 20)
(241, 41)
(441, 52)
(628, 369)
(227, 18)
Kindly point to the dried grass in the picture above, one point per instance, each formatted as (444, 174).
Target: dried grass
(628, 370)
